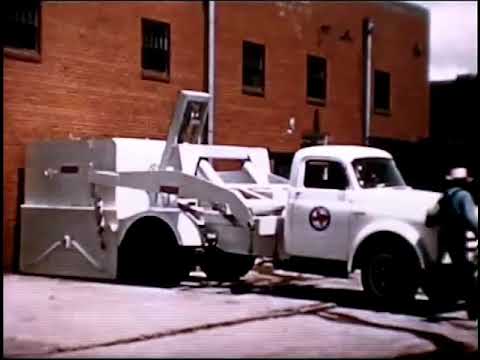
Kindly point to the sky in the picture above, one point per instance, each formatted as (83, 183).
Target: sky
(453, 38)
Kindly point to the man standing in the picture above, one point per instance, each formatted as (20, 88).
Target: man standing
(456, 214)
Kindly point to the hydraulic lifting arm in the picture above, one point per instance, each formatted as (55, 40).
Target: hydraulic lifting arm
(186, 186)
(187, 123)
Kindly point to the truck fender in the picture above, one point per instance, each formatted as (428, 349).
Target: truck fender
(186, 231)
(403, 230)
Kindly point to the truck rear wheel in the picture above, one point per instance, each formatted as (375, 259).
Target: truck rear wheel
(390, 274)
(150, 255)
(223, 266)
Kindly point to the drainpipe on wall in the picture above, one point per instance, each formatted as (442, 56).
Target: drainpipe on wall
(211, 70)
(368, 27)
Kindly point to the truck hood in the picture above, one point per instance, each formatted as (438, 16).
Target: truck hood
(401, 203)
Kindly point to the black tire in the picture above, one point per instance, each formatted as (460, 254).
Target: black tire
(390, 274)
(223, 266)
(149, 255)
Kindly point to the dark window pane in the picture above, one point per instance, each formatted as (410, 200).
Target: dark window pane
(254, 65)
(325, 175)
(22, 25)
(155, 59)
(382, 90)
(377, 172)
(316, 77)
(156, 46)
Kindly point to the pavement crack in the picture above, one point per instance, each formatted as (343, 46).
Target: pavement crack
(441, 342)
(288, 312)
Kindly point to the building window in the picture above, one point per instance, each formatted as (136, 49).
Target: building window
(381, 96)
(253, 68)
(156, 49)
(316, 79)
(22, 25)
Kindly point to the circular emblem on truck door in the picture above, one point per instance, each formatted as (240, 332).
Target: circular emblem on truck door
(319, 218)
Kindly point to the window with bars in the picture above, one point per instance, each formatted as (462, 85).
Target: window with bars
(22, 25)
(381, 88)
(156, 46)
(253, 68)
(316, 79)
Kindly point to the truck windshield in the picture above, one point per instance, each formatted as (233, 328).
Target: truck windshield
(377, 172)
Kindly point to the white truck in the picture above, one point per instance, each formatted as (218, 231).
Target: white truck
(151, 210)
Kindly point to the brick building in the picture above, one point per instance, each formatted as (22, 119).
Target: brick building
(103, 69)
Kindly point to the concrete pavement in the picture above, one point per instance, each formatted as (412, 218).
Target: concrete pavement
(266, 315)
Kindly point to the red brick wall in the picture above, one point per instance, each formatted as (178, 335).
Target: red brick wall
(289, 33)
(394, 38)
(89, 82)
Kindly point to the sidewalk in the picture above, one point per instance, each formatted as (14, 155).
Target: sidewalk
(47, 317)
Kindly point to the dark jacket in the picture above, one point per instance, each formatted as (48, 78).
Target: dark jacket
(455, 214)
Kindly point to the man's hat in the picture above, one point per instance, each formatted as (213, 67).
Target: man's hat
(459, 173)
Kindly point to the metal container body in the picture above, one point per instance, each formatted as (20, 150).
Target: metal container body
(64, 241)
(56, 172)
(63, 230)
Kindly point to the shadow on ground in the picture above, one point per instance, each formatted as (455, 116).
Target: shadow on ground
(292, 287)
(355, 298)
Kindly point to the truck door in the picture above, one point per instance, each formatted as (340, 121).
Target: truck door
(318, 215)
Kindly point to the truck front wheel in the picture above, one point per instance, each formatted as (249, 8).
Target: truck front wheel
(390, 274)
(223, 266)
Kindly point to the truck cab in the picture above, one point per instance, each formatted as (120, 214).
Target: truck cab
(350, 207)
